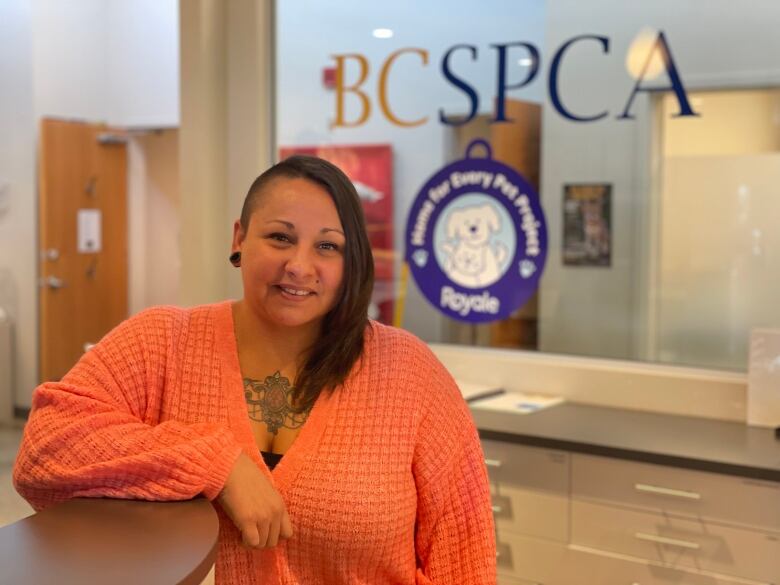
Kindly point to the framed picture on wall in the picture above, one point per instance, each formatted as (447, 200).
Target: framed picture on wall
(370, 168)
(587, 224)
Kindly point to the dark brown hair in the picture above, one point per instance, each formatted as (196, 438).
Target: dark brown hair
(340, 344)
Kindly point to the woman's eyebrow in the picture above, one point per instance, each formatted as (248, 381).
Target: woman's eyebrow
(291, 226)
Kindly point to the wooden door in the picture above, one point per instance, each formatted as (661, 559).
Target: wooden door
(82, 179)
(518, 144)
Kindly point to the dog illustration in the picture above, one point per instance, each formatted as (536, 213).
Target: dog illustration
(471, 260)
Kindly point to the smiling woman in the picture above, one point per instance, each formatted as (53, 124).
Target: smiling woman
(306, 266)
(292, 262)
(338, 447)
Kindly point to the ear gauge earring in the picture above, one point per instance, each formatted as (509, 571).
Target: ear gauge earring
(235, 259)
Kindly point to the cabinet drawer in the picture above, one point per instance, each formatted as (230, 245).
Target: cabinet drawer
(530, 489)
(530, 559)
(527, 560)
(539, 469)
(676, 542)
(668, 490)
(504, 580)
(530, 512)
(587, 568)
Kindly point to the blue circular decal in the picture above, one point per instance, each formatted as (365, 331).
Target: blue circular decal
(476, 239)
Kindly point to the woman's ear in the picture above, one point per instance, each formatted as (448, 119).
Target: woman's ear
(238, 236)
(235, 248)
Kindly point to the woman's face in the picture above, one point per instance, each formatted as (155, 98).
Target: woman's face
(292, 254)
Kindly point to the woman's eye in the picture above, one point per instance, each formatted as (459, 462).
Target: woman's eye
(329, 246)
(279, 237)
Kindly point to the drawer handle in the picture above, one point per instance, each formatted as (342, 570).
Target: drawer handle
(669, 541)
(494, 463)
(654, 489)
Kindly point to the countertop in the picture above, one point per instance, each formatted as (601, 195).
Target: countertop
(730, 448)
(122, 542)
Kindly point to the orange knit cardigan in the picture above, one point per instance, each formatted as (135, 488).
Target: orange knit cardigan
(385, 483)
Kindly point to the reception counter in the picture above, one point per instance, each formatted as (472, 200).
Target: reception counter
(678, 441)
(120, 542)
(587, 495)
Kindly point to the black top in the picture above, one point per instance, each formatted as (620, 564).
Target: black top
(271, 459)
(730, 448)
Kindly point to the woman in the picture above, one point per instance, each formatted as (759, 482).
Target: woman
(381, 477)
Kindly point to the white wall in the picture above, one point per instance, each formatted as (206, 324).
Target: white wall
(18, 260)
(70, 65)
(143, 58)
(154, 258)
(604, 312)
(309, 32)
(111, 61)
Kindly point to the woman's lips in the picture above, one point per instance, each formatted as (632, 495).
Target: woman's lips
(294, 293)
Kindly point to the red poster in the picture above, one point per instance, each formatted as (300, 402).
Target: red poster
(370, 168)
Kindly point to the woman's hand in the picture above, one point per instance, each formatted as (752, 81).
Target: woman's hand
(254, 505)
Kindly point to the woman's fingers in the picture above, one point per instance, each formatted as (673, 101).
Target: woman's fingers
(254, 505)
(250, 535)
(285, 527)
(262, 530)
(273, 533)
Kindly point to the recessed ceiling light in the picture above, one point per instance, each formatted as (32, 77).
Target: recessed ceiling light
(383, 33)
(642, 49)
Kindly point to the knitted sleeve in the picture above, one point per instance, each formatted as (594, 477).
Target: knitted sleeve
(93, 434)
(455, 539)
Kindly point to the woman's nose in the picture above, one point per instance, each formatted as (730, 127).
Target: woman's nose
(299, 264)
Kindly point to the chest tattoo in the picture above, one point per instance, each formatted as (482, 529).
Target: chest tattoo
(270, 402)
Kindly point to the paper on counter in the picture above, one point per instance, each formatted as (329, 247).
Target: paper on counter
(517, 402)
(474, 391)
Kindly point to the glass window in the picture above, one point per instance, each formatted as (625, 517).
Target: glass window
(650, 132)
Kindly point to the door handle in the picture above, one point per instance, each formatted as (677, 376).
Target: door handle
(53, 282)
(50, 254)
